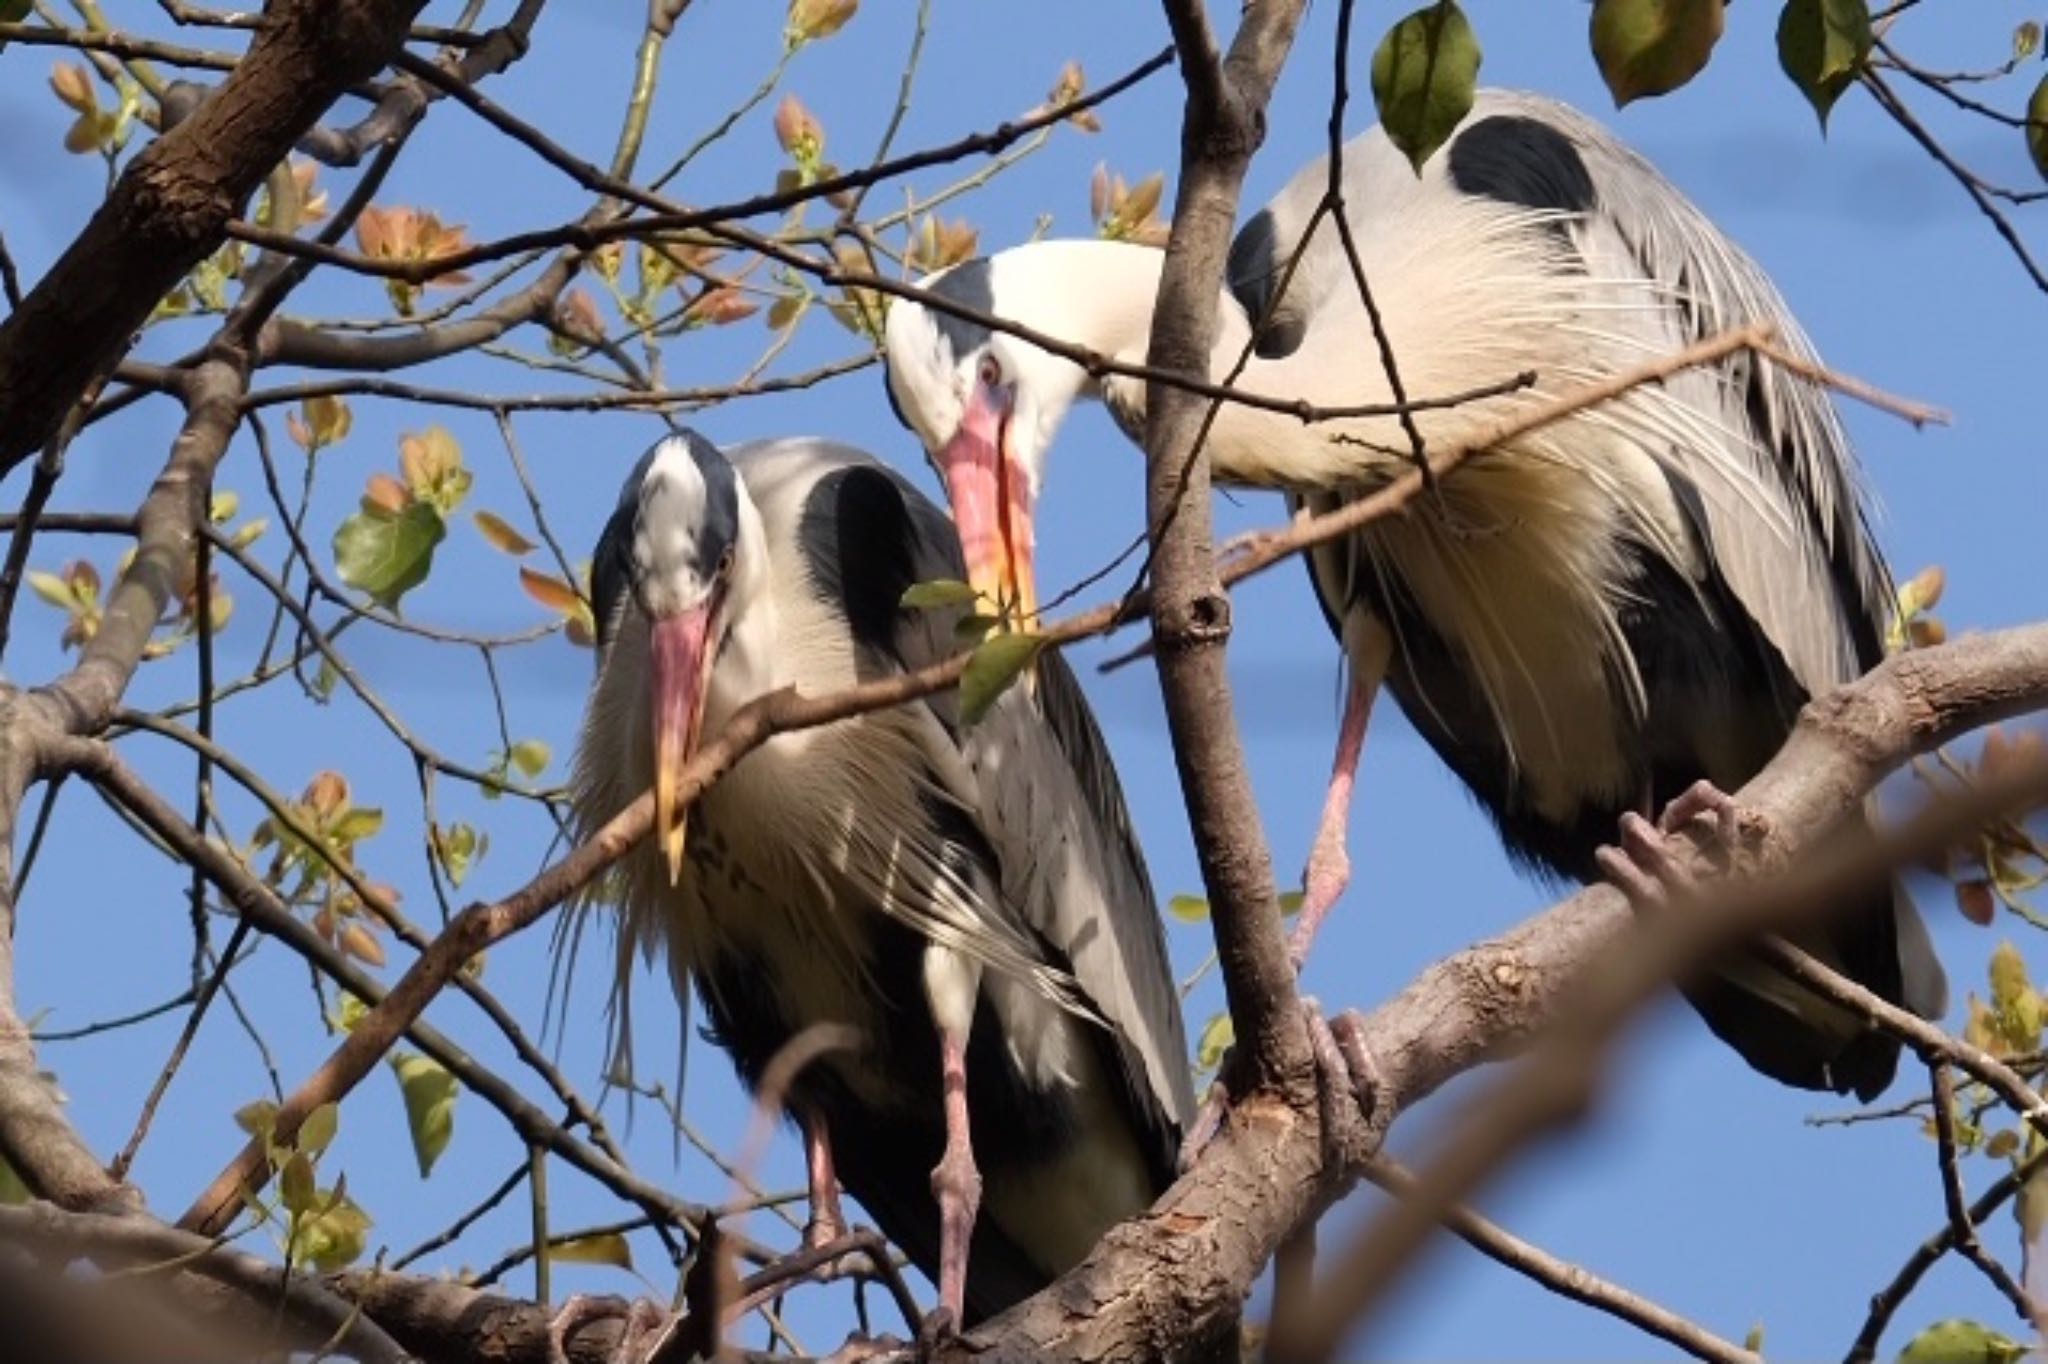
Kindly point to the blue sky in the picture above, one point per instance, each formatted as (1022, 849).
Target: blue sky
(1700, 1184)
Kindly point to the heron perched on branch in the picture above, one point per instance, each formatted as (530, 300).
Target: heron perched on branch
(1586, 621)
(965, 899)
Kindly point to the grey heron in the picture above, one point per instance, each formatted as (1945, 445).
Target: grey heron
(1584, 622)
(965, 899)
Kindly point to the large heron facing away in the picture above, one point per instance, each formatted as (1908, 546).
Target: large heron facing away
(1584, 621)
(967, 900)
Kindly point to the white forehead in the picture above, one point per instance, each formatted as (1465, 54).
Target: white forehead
(672, 502)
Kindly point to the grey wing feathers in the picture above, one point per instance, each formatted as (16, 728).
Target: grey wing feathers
(1797, 448)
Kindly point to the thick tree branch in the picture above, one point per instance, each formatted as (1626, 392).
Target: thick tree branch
(171, 205)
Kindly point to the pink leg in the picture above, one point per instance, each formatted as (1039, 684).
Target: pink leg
(1329, 865)
(828, 1223)
(955, 1181)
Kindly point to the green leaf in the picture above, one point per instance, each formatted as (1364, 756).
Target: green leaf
(1291, 902)
(458, 846)
(994, 665)
(530, 756)
(1423, 76)
(258, 1118)
(333, 1238)
(316, 1133)
(2026, 40)
(973, 628)
(1189, 909)
(223, 507)
(1754, 1341)
(1217, 1036)
(52, 589)
(2008, 976)
(355, 826)
(295, 1183)
(938, 592)
(430, 1094)
(1651, 47)
(387, 554)
(1956, 1341)
(2037, 127)
(607, 1248)
(325, 681)
(1822, 44)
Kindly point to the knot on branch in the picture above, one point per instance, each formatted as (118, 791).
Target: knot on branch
(1202, 620)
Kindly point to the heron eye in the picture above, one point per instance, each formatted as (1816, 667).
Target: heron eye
(991, 373)
(725, 562)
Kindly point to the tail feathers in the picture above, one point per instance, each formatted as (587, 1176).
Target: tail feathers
(1800, 1039)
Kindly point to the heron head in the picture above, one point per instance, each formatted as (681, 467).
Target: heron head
(683, 538)
(985, 405)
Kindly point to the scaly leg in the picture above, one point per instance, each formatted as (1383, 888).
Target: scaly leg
(1329, 865)
(828, 1223)
(955, 1181)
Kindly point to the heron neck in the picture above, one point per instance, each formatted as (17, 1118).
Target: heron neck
(1106, 291)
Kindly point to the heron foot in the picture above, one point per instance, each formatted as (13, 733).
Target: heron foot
(644, 1329)
(1650, 866)
(940, 1328)
(1344, 1066)
(828, 1231)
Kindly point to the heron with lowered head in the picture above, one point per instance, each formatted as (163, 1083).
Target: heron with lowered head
(969, 901)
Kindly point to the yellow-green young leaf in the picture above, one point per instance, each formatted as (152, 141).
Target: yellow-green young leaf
(1822, 44)
(995, 664)
(13, 1192)
(973, 627)
(295, 1183)
(458, 846)
(500, 533)
(335, 1237)
(1956, 1341)
(784, 311)
(251, 531)
(2032, 1206)
(1651, 47)
(2037, 127)
(2026, 40)
(938, 592)
(258, 1118)
(609, 1248)
(1217, 1035)
(388, 554)
(1189, 909)
(530, 757)
(223, 506)
(316, 1133)
(358, 824)
(430, 1093)
(349, 1011)
(1754, 1341)
(52, 589)
(1423, 76)
(2008, 976)
(1291, 902)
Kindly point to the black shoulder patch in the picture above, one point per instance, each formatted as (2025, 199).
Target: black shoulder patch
(970, 285)
(1518, 160)
(1254, 273)
(611, 568)
(863, 535)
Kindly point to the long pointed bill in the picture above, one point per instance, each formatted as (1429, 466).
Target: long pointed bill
(992, 506)
(682, 667)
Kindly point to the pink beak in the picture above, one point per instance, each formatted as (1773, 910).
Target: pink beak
(682, 669)
(992, 506)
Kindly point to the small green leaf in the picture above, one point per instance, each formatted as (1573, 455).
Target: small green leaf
(430, 1094)
(994, 665)
(387, 554)
(973, 628)
(1651, 47)
(607, 1248)
(223, 507)
(325, 681)
(52, 589)
(333, 1238)
(1822, 45)
(459, 846)
(258, 1118)
(1189, 909)
(2008, 975)
(316, 1133)
(1423, 76)
(358, 824)
(501, 533)
(1754, 1341)
(2037, 127)
(1956, 1341)
(295, 1183)
(1291, 902)
(530, 756)
(1217, 1036)
(938, 592)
